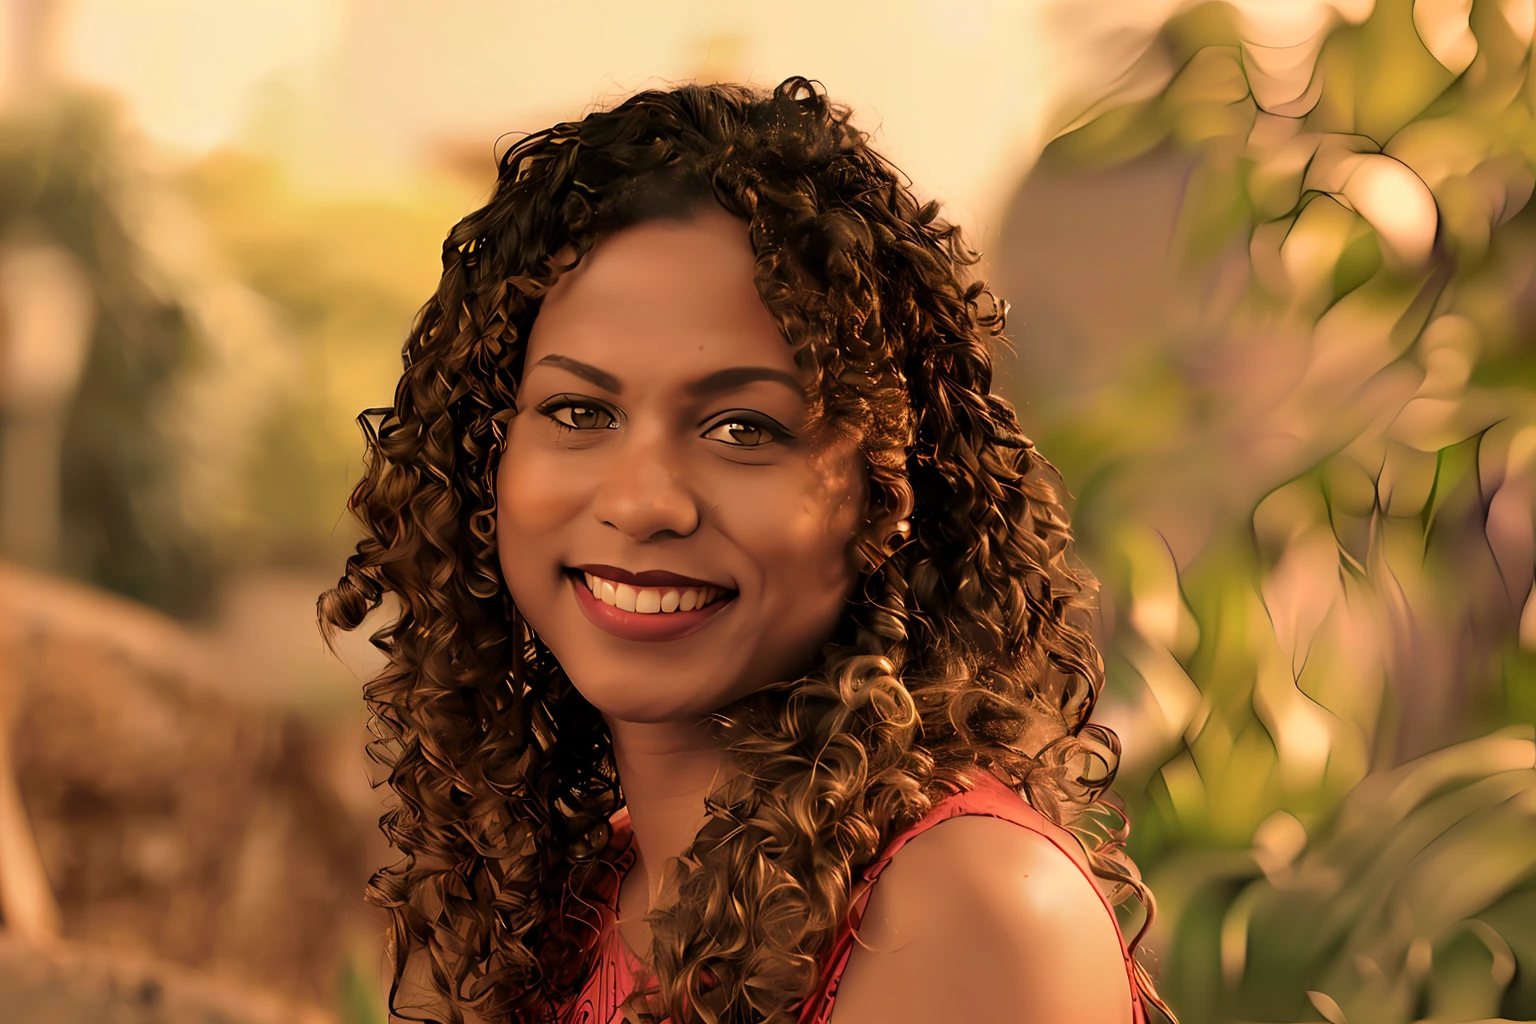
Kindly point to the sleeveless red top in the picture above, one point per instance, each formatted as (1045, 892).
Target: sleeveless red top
(613, 977)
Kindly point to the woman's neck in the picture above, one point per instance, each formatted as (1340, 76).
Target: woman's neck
(666, 770)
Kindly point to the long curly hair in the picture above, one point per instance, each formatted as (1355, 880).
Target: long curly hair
(967, 650)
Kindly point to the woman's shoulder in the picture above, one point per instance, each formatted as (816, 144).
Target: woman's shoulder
(975, 917)
(983, 795)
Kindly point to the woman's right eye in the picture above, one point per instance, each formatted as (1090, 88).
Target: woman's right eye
(581, 417)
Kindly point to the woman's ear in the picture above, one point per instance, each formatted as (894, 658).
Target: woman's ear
(886, 531)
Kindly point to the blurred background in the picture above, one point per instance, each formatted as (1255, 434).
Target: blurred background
(1272, 267)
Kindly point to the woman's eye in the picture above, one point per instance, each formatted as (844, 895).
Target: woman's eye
(740, 433)
(581, 417)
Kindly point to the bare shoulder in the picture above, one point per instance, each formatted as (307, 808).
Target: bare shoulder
(980, 919)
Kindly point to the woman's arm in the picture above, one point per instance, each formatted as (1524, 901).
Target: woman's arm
(979, 919)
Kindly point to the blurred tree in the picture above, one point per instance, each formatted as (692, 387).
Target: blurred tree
(65, 175)
(62, 171)
(343, 275)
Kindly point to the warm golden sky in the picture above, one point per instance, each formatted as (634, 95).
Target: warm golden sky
(960, 92)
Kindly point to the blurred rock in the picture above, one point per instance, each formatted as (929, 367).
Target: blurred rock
(173, 820)
(85, 985)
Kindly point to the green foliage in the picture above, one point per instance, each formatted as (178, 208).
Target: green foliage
(1406, 904)
(360, 994)
(1310, 495)
(342, 277)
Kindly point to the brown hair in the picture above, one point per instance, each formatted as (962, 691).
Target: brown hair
(967, 650)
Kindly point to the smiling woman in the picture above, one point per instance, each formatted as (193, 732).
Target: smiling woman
(726, 590)
(687, 451)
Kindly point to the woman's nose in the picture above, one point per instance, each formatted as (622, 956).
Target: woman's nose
(646, 493)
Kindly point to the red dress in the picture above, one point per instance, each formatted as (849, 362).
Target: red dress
(613, 978)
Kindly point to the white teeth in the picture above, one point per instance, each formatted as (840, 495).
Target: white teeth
(649, 600)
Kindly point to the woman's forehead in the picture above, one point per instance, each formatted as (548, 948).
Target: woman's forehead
(678, 290)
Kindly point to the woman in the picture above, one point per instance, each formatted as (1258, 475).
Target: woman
(722, 580)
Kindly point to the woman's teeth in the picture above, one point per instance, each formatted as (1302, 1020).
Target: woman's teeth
(649, 600)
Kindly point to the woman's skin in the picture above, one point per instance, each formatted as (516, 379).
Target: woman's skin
(662, 425)
(721, 486)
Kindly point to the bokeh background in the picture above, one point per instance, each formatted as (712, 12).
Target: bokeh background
(1272, 268)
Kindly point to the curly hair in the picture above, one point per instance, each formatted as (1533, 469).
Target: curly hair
(967, 650)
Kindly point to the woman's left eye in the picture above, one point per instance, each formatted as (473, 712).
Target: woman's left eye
(740, 433)
(581, 417)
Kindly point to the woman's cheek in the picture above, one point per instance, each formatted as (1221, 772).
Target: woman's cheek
(529, 520)
(537, 491)
(799, 533)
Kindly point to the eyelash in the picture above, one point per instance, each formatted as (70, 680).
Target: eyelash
(774, 433)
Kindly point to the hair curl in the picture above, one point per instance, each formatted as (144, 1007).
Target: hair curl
(968, 649)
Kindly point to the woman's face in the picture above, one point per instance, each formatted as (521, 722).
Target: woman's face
(665, 521)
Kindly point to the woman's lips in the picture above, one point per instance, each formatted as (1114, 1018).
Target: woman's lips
(641, 626)
(649, 578)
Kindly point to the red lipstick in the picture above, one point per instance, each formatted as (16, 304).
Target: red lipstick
(649, 578)
(653, 627)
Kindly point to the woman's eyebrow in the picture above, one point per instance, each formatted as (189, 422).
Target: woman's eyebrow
(734, 377)
(586, 371)
(719, 382)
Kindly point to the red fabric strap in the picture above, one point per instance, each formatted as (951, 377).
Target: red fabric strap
(987, 796)
(612, 978)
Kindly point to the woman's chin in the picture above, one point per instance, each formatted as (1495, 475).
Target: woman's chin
(630, 715)
(632, 701)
